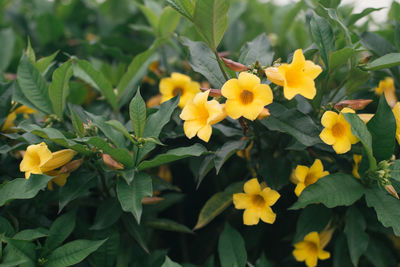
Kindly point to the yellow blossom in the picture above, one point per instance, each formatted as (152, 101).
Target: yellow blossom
(337, 131)
(165, 173)
(297, 77)
(304, 176)
(199, 114)
(60, 179)
(246, 96)
(264, 114)
(365, 117)
(38, 159)
(154, 101)
(9, 122)
(178, 84)
(311, 248)
(246, 153)
(396, 112)
(357, 159)
(257, 202)
(387, 86)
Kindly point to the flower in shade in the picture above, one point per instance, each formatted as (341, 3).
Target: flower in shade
(246, 96)
(178, 84)
(357, 159)
(387, 86)
(396, 112)
(312, 248)
(60, 179)
(199, 114)
(297, 77)
(337, 131)
(256, 201)
(38, 159)
(9, 122)
(304, 176)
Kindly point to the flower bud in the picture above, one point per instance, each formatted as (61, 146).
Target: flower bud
(264, 114)
(390, 189)
(72, 166)
(151, 200)
(213, 92)
(235, 66)
(112, 163)
(356, 104)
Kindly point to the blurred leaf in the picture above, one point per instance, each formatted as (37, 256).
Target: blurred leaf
(44, 63)
(184, 7)
(231, 248)
(288, 19)
(262, 261)
(33, 85)
(226, 151)
(108, 212)
(21, 250)
(356, 78)
(7, 44)
(31, 234)
(355, 17)
(395, 170)
(72, 253)
(21, 188)
(347, 190)
(106, 254)
(257, 50)
(169, 20)
(331, 15)
(379, 254)
(130, 196)
(150, 15)
(205, 167)
(377, 44)
(6, 228)
(383, 130)
(203, 61)
(341, 256)
(172, 155)
(168, 225)
(357, 238)
(137, 113)
(217, 204)
(60, 229)
(340, 57)
(6, 92)
(59, 88)
(384, 62)
(49, 28)
(323, 35)
(169, 263)
(121, 128)
(135, 230)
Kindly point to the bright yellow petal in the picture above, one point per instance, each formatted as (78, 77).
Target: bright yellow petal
(201, 98)
(289, 92)
(241, 201)
(191, 127)
(25, 110)
(329, 119)
(299, 188)
(216, 112)
(248, 81)
(252, 187)
(267, 215)
(317, 167)
(311, 260)
(231, 89)
(192, 87)
(312, 237)
(312, 70)
(251, 216)
(301, 173)
(270, 196)
(205, 133)
(35, 157)
(342, 145)
(274, 76)
(323, 255)
(263, 94)
(307, 88)
(252, 111)
(234, 109)
(190, 112)
(58, 159)
(298, 59)
(180, 79)
(366, 117)
(9, 122)
(300, 252)
(327, 136)
(166, 87)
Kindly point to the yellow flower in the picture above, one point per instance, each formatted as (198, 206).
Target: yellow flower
(256, 202)
(178, 83)
(337, 131)
(154, 101)
(297, 77)
(396, 112)
(165, 173)
(387, 86)
(311, 249)
(60, 179)
(246, 153)
(246, 96)
(199, 114)
(264, 114)
(38, 159)
(9, 122)
(365, 117)
(357, 159)
(304, 176)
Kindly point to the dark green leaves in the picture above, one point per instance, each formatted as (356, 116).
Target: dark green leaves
(231, 248)
(59, 88)
(226, 151)
(7, 41)
(384, 62)
(137, 113)
(257, 50)
(61, 228)
(308, 222)
(323, 36)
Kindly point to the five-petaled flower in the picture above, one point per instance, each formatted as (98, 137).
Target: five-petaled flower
(297, 77)
(246, 96)
(178, 84)
(337, 131)
(304, 176)
(38, 159)
(387, 86)
(199, 114)
(256, 201)
(312, 248)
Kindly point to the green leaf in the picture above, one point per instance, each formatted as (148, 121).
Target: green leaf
(130, 196)
(340, 57)
(288, 19)
(6, 92)
(355, 79)
(107, 214)
(385, 62)
(121, 128)
(379, 45)
(33, 85)
(226, 151)
(357, 238)
(355, 17)
(60, 229)
(395, 170)
(77, 123)
(6, 228)
(30, 52)
(168, 225)
(7, 44)
(21, 188)
(333, 190)
(135, 230)
(184, 7)
(44, 63)
(195, 150)
(59, 88)
(106, 254)
(21, 249)
(341, 257)
(137, 113)
(150, 15)
(31, 234)
(257, 50)
(86, 72)
(359, 130)
(387, 208)
(217, 204)
(331, 15)
(169, 20)
(231, 248)
(169, 263)
(263, 261)
(383, 131)
(323, 35)
(211, 20)
(203, 61)
(72, 253)
(379, 254)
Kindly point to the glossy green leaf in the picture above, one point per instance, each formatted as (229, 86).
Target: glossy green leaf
(168, 225)
(137, 113)
(226, 151)
(184, 7)
(44, 63)
(22, 250)
(259, 50)
(31, 234)
(340, 57)
(59, 88)
(60, 229)
(7, 44)
(385, 62)
(231, 248)
(324, 38)
(77, 122)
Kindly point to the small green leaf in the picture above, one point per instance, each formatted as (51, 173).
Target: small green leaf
(226, 151)
(59, 88)
(385, 62)
(77, 123)
(137, 113)
(333, 190)
(395, 170)
(31, 234)
(355, 79)
(323, 35)
(169, 263)
(21, 249)
(106, 254)
(184, 7)
(61, 228)
(355, 17)
(231, 248)
(121, 128)
(259, 50)
(168, 225)
(169, 20)
(340, 57)
(150, 15)
(7, 44)
(135, 230)
(44, 63)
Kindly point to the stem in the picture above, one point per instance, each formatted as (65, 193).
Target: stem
(220, 65)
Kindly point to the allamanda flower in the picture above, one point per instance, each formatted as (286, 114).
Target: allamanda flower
(357, 159)
(257, 202)
(38, 159)
(312, 248)
(387, 86)
(9, 122)
(396, 112)
(297, 77)
(246, 96)
(178, 84)
(199, 114)
(337, 131)
(304, 176)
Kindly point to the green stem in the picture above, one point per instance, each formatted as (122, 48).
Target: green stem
(220, 65)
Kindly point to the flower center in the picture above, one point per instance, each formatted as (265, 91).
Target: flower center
(310, 179)
(177, 91)
(293, 77)
(258, 200)
(311, 247)
(338, 130)
(35, 160)
(246, 97)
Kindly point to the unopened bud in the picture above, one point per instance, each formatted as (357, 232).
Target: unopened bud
(213, 92)
(151, 200)
(263, 114)
(112, 163)
(356, 104)
(72, 166)
(390, 189)
(233, 65)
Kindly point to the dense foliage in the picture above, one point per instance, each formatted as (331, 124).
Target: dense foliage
(198, 133)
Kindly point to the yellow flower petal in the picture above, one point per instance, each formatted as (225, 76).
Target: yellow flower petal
(323, 255)
(301, 173)
(251, 216)
(298, 59)
(192, 127)
(342, 145)
(317, 167)
(9, 122)
(274, 76)
(312, 237)
(231, 89)
(178, 84)
(248, 81)
(327, 136)
(311, 69)
(252, 187)
(34, 158)
(241, 201)
(205, 133)
(270, 196)
(329, 119)
(312, 261)
(58, 159)
(299, 188)
(267, 215)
